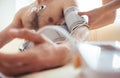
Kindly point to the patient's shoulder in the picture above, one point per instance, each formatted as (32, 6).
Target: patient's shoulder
(23, 10)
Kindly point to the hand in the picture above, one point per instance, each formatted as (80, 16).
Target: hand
(99, 17)
(45, 54)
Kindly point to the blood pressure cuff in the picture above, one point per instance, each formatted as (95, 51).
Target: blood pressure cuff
(72, 22)
(56, 34)
(72, 19)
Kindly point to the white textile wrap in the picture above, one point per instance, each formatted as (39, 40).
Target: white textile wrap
(72, 19)
(56, 34)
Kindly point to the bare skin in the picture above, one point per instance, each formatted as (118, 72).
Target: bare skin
(104, 15)
(51, 15)
(35, 59)
(39, 57)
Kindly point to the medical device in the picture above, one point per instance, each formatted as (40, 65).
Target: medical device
(100, 59)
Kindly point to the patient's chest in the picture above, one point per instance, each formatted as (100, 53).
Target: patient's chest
(51, 15)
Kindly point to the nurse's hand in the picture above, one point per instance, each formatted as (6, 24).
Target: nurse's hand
(44, 55)
(99, 17)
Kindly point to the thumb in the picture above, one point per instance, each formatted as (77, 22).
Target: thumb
(28, 35)
(82, 13)
(85, 15)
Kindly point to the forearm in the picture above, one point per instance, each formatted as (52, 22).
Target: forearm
(4, 38)
(104, 15)
(109, 11)
(111, 6)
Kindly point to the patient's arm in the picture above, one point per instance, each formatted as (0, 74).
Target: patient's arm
(16, 23)
(76, 24)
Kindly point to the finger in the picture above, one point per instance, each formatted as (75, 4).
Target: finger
(27, 34)
(20, 65)
(18, 59)
(25, 70)
(5, 71)
(14, 71)
(17, 70)
(23, 57)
